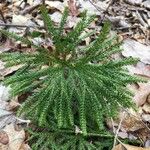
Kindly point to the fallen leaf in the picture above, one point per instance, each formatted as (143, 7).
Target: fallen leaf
(131, 123)
(73, 7)
(6, 115)
(142, 93)
(5, 71)
(25, 147)
(4, 93)
(136, 50)
(20, 19)
(14, 138)
(146, 4)
(140, 69)
(7, 46)
(56, 17)
(123, 135)
(72, 21)
(146, 108)
(128, 147)
(4, 139)
(147, 143)
(55, 5)
(146, 117)
(118, 147)
(99, 6)
(134, 2)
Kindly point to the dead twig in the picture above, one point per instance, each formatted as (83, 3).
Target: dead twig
(29, 9)
(141, 19)
(95, 5)
(29, 26)
(116, 135)
(14, 25)
(1, 13)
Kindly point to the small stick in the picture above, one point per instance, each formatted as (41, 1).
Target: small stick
(94, 5)
(25, 26)
(116, 135)
(14, 25)
(29, 9)
(141, 19)
(1, 13)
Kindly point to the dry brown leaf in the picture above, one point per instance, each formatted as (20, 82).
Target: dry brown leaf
(20, 19)
(146, 4)
(55, 5)
(142, 94)
(6, 71)
(128, 147)
(72, 21)
(146, 108)
(6, 117)
(25, 147)
(123, 135)
(95, 8)
(73, 8)
(132, 122)
(147, 143)
(134, 2)
(118, 147)
(140, 69)
(6, 114)
(8, 45)
(15, 138)
(146, 117)
(4, 93)
(4, 139)
(56, 17)
(136, 50)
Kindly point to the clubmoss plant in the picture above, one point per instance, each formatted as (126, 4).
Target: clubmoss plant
(72, 85)
(46, 139)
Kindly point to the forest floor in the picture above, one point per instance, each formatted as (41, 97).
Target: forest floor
(130, 21)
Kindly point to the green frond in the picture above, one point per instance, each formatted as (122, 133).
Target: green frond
(73, 46)
(47, 21)
(122, 62)
(63, 21)
(79, 28)
(16, 37)
(62, 140)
